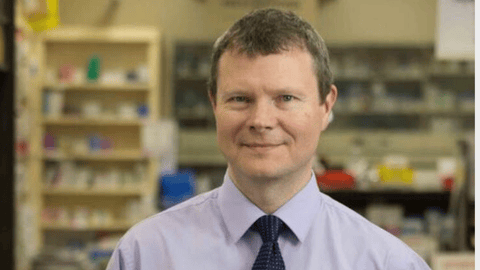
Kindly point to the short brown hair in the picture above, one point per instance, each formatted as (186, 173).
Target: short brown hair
(271, 31)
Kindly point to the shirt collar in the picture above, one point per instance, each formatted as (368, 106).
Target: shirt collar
(239, 213)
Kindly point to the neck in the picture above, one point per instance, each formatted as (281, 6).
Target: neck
(269, 194)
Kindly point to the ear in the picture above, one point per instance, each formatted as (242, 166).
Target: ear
(328, 105)
(212, 99)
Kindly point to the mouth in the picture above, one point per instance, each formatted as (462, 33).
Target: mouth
(260, 145)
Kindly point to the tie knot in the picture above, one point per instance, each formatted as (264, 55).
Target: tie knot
(269, 227)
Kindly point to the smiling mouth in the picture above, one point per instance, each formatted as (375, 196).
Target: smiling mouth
(260, 145)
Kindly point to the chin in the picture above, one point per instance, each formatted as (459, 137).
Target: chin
(263, 171)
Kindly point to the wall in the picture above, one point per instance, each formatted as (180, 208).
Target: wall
(405, 21)
(338, 21)
(378, 21)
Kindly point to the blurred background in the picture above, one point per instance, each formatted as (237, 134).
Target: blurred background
(108, 107)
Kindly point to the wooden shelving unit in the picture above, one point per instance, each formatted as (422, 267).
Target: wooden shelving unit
(121, 50)
(97, 87)
(123, 192)
(117, 227)
(79, 121)
(114, 155)
(400, 87)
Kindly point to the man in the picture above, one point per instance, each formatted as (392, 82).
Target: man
(271, 91)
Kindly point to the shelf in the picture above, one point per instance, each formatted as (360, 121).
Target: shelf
(114, 155)
(379, 45)
(403, 78)
(133, 35)
(79, 121)
(406, 112)
(414, 202)
(192, 77)
(123, 48)
(119, 226)
(187, 115)
(204, 160)
(92, 192)
(133, 87)
(194, 118)
(353, 78)
(452, 75)
(407, 192)
(384, 77)
(392, 195)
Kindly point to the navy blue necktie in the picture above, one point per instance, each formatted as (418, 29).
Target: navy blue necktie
(269, 256)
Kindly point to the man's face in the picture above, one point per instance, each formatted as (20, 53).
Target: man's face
(268, 113)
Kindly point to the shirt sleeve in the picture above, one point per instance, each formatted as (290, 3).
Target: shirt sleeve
(405, 259)
(116, 261)
(120, 259)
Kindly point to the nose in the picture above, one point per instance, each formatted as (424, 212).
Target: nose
(262, 116)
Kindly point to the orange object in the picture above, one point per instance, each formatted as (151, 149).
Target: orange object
(448, 183)
(335, 180)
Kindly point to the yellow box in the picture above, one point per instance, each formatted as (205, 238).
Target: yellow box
(44, 21)
(403, 176)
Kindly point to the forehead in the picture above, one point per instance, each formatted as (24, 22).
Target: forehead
(234, 58)
(294, 67)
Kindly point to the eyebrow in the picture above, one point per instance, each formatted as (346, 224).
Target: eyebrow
(233, 93)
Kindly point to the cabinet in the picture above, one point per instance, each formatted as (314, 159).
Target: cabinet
(401, 88)
(191, 72)
(96, 89)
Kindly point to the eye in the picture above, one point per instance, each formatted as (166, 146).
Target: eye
(287, 98)
(240, 99)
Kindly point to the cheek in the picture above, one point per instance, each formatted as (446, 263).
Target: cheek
(227, 126)
(306, 128)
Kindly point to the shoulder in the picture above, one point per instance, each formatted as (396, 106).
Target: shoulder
(161, 239)
(193, 214)
(351, 222)
(366, 239)
(405, 259)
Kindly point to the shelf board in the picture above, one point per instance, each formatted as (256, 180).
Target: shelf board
(353, 78)
(412, 201)
(204, 160)
(450, 75)
(114, 155)
(386, 191)
(91, 192)
(407, 77)
(417, 45)
(133, 87)
(385, 78)
(406, 112)
(79, 121)
(191, 117)
(128, 35)
(403, 78)
(193, 77)
(118, 226)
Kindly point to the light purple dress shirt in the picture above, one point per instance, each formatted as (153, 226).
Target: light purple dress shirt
(211, 231)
